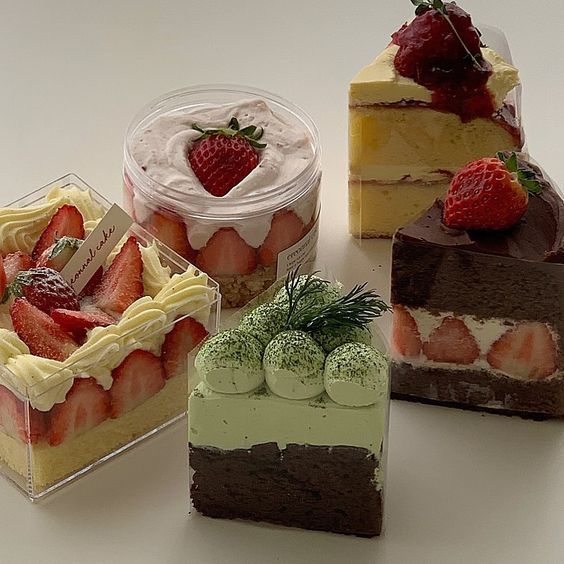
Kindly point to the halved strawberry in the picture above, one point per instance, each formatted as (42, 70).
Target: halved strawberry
(15, 263)
(78, 322)
(406, 339)
(59, 253)
(13, 421)
(91, 285)
(172, 232)
(184, 337)
(122, 283)
(3, 282)
(452, 341)
(286, 229)
(66, 221)
(139, 377)
(39, 332)
(86, 405)
(526, 351)
(227, 254)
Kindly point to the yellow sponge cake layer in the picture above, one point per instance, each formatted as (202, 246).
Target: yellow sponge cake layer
(391, 143)
(378, 209)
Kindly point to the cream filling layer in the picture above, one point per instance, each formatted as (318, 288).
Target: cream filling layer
(380, 83)
(232, 421)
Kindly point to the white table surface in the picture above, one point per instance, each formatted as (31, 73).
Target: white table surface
(463, 487)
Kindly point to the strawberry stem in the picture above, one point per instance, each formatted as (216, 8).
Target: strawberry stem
(251, 133)
(526, 177)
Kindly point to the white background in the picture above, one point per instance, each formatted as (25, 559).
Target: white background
(463, 487)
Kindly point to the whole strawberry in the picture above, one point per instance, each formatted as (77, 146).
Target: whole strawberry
(45, 288)
(221, 158)
(59, 253)
(490, 194)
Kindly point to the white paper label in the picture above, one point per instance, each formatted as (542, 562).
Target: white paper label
(92, 254)
(298, 254)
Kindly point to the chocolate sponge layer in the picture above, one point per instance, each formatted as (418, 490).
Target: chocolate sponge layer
(311, 487)
(479, 389)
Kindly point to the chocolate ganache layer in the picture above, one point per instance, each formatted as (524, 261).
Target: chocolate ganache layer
(514, 274)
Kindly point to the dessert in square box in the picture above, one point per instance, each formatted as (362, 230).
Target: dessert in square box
(289, 410)
(89, 366)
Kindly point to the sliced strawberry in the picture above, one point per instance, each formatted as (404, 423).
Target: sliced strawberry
(452, 341)
(91, 285)
(172, 232)
(527, 351)
(406, 339)
(286, 229)
(122, 283)
(13, 421)
(59, 253)
(3, 282)
(78, 322)
(139, 377)
(184, 337)
(39, 332)
(15, 263)
(66, 221)
(86, 405)
(227, 254)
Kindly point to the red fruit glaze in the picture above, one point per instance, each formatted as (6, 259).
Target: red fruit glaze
(484, 195)
(46, 289)
(39, 332)
(221, 162)
(122, 284)
(183, 338)
(431, 55)
(406, 340)
(16, 262)
(66, 221)
(87, 405)
(286, 229)
(139, 377)
(172, 232)
(452, 342)
(526, 351)
(13, 420)
(227, 254)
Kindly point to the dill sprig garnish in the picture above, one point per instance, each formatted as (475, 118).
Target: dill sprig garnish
(355, 309)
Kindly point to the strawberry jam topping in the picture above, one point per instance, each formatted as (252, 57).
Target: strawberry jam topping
(432, 54)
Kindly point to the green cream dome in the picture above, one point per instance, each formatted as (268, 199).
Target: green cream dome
(332, 337)
(356, 375)
(293, 363)
(265, 322)
(231, 362)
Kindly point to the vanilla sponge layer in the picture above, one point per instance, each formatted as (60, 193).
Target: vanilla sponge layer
(377, 210)
(397, 142)
(50, 465)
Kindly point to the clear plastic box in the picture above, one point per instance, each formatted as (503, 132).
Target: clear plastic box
(278, 477)
(263, 228)
(27, 458)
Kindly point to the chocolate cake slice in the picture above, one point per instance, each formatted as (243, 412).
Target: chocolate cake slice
(479, 314)
(288, 419)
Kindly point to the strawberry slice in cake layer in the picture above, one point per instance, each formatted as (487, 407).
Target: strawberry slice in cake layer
(478, 294)
(86, 375)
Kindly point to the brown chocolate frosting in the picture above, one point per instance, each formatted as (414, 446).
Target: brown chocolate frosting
(539, 235)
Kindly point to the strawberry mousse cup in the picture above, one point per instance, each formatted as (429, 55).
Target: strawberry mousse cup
(85, 376)
(229, 178)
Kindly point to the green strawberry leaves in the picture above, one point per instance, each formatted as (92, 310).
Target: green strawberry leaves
(251, 133)
(526, 177)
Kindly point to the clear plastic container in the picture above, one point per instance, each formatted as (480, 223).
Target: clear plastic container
(247, 238)
(308, 463)
(403, 153)
(35, 457)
